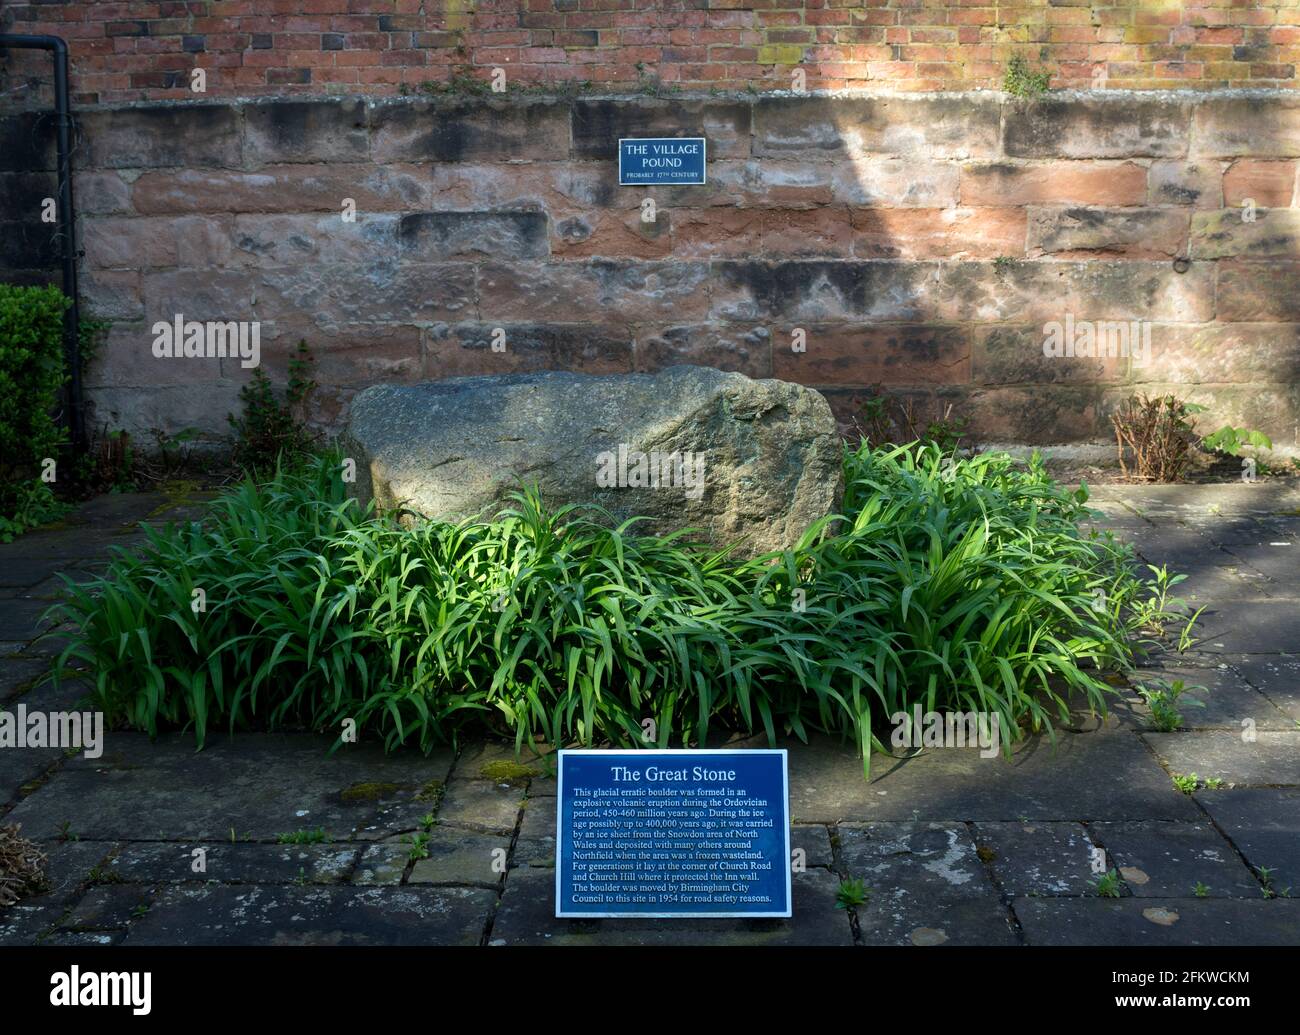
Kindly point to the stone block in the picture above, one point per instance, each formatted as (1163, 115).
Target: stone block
(162, 136)
(459, 130)
(305, 131)
(932, 127)
(444, 236)
(1142, 233)
(1095, 128)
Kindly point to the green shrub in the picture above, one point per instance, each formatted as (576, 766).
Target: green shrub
(32, 372)
(269, 430)
(957, 584)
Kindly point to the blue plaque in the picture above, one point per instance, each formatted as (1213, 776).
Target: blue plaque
(673, 834)
(671, 161)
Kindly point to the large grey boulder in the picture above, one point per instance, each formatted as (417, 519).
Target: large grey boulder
(751, 463)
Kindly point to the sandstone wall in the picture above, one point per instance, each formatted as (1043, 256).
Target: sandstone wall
(919, 241)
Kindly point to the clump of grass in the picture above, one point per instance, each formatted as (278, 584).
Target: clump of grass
(303, 837)
(851, 894)
(962, 583)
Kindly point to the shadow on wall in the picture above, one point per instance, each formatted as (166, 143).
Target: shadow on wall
(922, 242)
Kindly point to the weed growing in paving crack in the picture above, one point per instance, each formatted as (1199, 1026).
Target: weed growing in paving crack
(419, 847)
(1186, 783)
(1201, 890)
(1163, 698)
(851, 894)
(1265, 874)
(1108, 885)
(303, 837)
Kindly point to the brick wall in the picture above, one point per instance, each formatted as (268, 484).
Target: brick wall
(918, 241)
(130, 50)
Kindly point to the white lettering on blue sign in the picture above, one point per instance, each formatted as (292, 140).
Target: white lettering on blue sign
(676, 161)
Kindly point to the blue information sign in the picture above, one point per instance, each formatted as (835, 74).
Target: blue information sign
(661, 160)
(673, 833)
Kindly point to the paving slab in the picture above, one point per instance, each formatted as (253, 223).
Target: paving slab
(384, 863)
(1250, 532)
(1038, 858)
(1264, 824)
(814, 842)
(24, 923)
(905, 861)
(1272, 758)
(234, 914)
(157, 862)
(20, 771)
(1109, 775)
(535, 845)
(527, 917)
(1248, 627)
(22, 616)
(17, 674)
(459, 857)
(1278, 559)
(18, 571)
(1213, 587)
(1170, 860)
(108, 907)
(909, 921)
(1276, 676)
(486, 805)
(1158, 922)
(257, 785)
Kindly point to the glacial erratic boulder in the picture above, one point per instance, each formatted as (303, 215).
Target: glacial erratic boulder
(747, 462)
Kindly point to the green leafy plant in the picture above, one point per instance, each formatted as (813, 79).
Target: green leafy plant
(1022, 81)
(1108, 884)
(1186, 782)
(965, 584)
(91, 332)
(1162, 697)
(34, 504)
(1233, 441)
(419, 847)
(32, 374)
(1266, 880)
(269, 431)
(173, 451)
(851, 894)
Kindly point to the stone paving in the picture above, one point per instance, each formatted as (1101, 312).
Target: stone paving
(457, 847)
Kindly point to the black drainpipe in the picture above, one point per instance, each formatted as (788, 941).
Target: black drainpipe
(72, 318)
